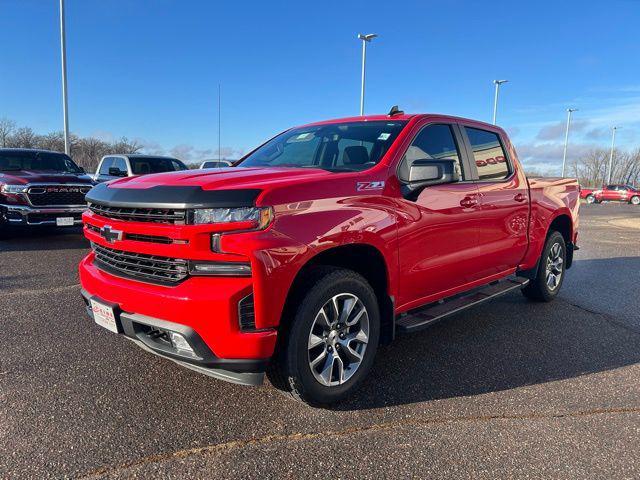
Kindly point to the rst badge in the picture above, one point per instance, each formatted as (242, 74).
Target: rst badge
(367, 186)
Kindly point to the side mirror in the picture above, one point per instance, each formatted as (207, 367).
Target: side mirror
(82, 170)
(426, 172)
(116, 172)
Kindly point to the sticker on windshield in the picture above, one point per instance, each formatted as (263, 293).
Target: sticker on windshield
(384, 136)
(303, 136)
(367, 186)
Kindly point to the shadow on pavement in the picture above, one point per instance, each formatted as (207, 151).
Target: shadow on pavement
(42, 238)
(506, 344)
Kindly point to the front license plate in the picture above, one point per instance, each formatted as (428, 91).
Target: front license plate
(64, 221)
(104, 316)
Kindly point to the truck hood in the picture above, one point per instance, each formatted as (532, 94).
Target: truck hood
(33, 176)
(224, 178)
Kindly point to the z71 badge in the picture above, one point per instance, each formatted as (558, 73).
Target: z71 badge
(365, 186)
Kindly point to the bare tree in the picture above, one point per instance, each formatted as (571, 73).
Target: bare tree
(124, 145)
(7, 127)
(24, 137)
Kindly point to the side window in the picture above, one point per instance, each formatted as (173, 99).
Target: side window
(106, 164)
(488, 154)
(120, 164)
(434, 142)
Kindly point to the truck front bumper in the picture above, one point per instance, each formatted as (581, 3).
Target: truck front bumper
(204, 311)
(31, 216)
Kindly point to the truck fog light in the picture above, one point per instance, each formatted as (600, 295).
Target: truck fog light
(180, 343)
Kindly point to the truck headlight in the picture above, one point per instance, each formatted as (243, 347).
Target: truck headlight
(260, 216)
(14, 189)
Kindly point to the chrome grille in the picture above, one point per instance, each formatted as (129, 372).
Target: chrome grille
(152, 268)
(152, 215)
(57, 195)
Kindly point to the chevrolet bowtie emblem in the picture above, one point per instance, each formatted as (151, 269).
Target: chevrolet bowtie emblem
(109, 234)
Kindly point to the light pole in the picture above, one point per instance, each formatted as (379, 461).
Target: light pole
(613, 143)
(365, 39)
(566, 138)
(63, 53)
(497, 83)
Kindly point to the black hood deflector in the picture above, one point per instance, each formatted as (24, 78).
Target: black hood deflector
(171, 197)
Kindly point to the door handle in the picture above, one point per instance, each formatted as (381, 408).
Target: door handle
(468, 202)
(521, 197)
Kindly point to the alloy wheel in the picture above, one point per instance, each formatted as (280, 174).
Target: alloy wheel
(554, 266)
(338, 339)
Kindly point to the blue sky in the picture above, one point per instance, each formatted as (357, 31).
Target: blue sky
(149, 69)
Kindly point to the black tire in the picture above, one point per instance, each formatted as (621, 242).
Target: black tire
(538, 288)
(291, 371)
(635, 200)
(591, 199)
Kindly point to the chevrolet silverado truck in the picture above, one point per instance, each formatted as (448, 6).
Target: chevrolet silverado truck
(322, 244)
(39, 187)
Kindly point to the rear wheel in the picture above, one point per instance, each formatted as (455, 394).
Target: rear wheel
(591, 199)
(332, 342)
(546, 285)
(635, 200)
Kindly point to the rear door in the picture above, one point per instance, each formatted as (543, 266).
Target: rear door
(437, 230)
(504, 202)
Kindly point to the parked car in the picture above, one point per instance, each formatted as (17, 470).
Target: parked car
(117, 166)
(39, 187)
(613, 193)
(216, 164)
(321, 244)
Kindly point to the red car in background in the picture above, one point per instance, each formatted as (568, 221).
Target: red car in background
(611, 193)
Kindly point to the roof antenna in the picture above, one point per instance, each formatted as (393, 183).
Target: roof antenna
(395, 111)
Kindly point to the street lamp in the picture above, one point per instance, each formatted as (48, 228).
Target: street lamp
(566, 138)
(613, 143)
(63, 53)
(365, 39)
(497, 83)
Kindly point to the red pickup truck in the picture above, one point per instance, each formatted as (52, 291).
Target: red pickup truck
(320, 245)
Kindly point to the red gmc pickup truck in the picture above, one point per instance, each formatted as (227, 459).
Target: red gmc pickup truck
(320, 245)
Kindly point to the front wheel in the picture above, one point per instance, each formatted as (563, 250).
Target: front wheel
(635, 200)
(546, 285)
(332, 341)
(591, 199)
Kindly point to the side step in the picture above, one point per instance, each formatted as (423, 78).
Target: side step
(422, 318)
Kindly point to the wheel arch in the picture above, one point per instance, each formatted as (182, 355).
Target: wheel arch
(363, 258)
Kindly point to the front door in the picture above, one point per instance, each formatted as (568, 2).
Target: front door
(438, 228)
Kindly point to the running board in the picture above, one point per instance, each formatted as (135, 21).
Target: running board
(422, 318)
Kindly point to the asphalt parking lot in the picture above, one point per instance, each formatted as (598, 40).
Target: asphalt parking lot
(510, 388)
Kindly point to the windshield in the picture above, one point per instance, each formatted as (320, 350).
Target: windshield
(47, 161)
(144, 165)
(337, 147)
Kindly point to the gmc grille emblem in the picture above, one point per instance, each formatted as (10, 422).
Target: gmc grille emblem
(110, 235)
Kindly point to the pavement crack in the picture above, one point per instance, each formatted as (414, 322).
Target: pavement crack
(299, 436)
(607, 318)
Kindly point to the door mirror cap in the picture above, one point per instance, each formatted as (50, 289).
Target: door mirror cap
(425, 172)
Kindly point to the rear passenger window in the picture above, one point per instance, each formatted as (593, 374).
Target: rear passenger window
(434, 142)
(488, 154)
